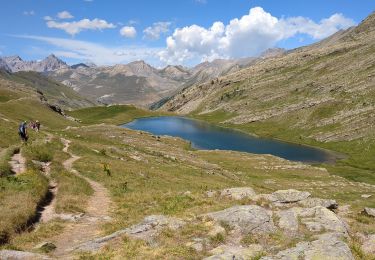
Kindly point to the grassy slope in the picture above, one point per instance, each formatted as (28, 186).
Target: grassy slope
(150, 176)
(115, 114)
(342, 72)
(55, 92)
(359, 165)
(21, 194)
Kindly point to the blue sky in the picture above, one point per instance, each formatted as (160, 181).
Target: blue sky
(168, 32)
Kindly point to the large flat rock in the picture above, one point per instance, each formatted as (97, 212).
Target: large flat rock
(249, 218)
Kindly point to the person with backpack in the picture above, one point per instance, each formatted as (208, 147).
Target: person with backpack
(22, 131)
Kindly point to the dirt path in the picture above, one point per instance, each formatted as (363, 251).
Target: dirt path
(18, 163)
(89, 226)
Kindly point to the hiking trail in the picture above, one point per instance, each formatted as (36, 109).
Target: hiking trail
(89, 226)
(18, 163)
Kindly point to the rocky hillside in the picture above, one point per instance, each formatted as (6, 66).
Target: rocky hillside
(324, 91)
(15, 63)
(49, 91)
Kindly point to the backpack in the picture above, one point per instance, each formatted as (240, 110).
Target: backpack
(21, 129)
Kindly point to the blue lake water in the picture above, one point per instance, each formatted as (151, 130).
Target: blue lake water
(207, 136)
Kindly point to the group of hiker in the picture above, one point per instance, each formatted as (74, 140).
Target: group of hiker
(22, 129)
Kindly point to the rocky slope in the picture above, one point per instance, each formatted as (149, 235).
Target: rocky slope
(49, 91)
(324, 90)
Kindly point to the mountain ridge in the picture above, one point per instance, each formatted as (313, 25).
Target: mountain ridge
(312, 89)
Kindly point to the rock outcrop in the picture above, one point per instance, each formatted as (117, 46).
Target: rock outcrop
(238, 193)
(146, 230)
(21, 255)
(327, 246)
(369, 212)
(235, 252)
(248, 219)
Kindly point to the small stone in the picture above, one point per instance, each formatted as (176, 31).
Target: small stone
(210, 193)
(366, 196)
(187, 193)
(45, 247)
(369, 212)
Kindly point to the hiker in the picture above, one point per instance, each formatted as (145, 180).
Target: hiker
(22, 131)
(37, 125)
(106, 169)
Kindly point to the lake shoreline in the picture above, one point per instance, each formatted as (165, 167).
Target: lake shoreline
(330, 157)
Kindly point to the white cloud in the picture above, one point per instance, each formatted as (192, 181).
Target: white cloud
(99, 54)
(246, 36)
(29, 13)
(47, 18)
(128, 31)
(153, 32)
(64, 15)
(73, 28)
(201, 1)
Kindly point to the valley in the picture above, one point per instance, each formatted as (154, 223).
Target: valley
(284, 168)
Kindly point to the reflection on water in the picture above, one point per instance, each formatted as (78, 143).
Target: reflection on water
(207, 136)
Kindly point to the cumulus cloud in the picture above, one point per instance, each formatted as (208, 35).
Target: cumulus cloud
(245, 36)
(128, 31)
(64, 15)
(153, 32)
(99, 54)
(76, 27)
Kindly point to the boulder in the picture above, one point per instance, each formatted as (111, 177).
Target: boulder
(225, 252)
(319, 218)
(238, 193)
(369, 212)
(288, 220)
(288, 196)
(146, 230)
(368, 245)
(248, 218)
(20, 255)
(327, 246)
(313, 202)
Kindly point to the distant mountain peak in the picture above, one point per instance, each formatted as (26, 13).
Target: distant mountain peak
(15, 63)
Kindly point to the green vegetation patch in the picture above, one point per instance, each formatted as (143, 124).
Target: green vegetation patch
(114, 114)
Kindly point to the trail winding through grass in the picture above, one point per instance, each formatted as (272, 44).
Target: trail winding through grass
(89, 226)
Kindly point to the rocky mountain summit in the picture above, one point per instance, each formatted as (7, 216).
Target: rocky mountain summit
(50, 63)
(139, 83)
